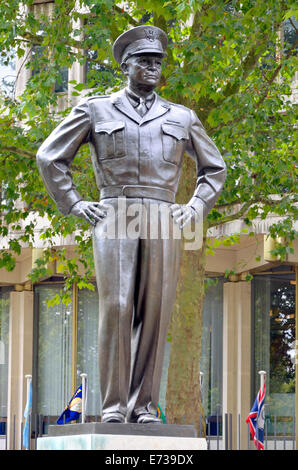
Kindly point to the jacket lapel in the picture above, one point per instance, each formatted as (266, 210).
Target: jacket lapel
(120, 101)
(159, 107)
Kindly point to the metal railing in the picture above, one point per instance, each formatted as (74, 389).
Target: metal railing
(222, 432)
(233, 434)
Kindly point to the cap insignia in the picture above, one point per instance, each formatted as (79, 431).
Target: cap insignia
(149, 34)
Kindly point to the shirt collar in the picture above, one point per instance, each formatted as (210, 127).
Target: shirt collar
(135, 99)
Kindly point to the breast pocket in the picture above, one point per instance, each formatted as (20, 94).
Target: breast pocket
(174, 140)
(110, 139)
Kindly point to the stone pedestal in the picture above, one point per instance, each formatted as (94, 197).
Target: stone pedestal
(114, 436)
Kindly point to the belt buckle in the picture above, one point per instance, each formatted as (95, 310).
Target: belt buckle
(129, 186)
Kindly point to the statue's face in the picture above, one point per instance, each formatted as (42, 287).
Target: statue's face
(144, 70)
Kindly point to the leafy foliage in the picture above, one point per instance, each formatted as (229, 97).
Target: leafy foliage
(227, 60)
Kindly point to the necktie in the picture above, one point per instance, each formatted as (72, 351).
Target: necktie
(140, 104)
(142, 107)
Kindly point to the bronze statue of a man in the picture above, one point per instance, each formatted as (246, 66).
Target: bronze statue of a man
(137, 141)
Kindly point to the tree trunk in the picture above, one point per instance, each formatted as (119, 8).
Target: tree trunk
(184, 404)
(183, 397)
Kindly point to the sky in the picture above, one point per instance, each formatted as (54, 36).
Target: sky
(7, 73)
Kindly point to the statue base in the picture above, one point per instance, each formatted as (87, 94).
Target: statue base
(124, 436)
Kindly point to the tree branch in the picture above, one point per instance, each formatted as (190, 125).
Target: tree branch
(230, 218)
(244, 209)
(233, 86)
(248, 64)
(213, 130)
(205, 105)
(291, 21)
(19, 71)
(275, 73)
(126, 15)
(252, 58)
(18, 151)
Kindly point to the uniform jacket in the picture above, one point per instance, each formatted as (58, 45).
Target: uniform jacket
(131, 155)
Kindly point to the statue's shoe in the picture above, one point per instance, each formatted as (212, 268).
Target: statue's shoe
(148, 418)
(113, 418)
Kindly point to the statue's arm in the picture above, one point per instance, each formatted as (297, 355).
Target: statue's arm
(211, 174)
(211, 168)
(54, 159)
(56, 154)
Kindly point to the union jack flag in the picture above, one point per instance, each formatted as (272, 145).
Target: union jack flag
(256, 420)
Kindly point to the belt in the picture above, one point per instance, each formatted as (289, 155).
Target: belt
(151, 192)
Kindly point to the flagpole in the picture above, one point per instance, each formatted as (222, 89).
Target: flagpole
(28, 378)
(262, 383)
(84, 379)
(256, 417)
(201, 378)
(262, 379)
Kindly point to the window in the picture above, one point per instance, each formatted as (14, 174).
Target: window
(290, 34)
(274, 344)
(87, 349)
(65, 346)
(212, 350)
(61, 84)
(54, 352)
(99, 73)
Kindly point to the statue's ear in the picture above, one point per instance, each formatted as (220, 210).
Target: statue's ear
(124, 68)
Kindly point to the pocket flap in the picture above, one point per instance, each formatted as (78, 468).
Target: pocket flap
(178, 132)
(109, 126)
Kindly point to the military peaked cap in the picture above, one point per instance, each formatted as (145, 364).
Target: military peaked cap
(138, 40)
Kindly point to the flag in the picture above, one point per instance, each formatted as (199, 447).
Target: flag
(160, 414)
(27, 414)
(256, 420)
(74, 408)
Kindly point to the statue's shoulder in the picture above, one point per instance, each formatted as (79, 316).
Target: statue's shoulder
(92, 99)
(179, 107)
(105, 99)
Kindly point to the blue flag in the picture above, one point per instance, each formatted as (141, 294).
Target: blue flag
(27, 413)
(74, 408)
(256, 420)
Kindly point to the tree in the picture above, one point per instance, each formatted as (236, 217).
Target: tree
(228, 61)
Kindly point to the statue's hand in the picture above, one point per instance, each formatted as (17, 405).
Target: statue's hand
(93, 212)
(183, 214)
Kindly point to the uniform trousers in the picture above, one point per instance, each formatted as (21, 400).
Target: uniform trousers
(137, 267)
